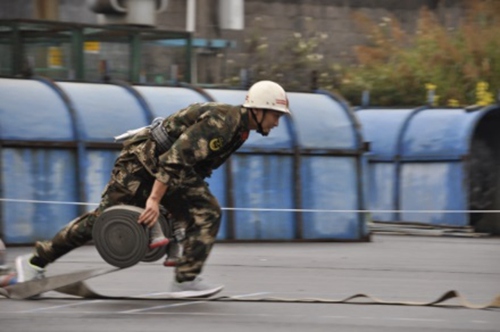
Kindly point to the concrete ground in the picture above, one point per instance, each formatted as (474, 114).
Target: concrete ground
(393, 268)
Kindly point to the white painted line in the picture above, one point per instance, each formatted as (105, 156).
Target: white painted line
(415, 319)
(78, 304)
(59, 306)
(183, 304)
(246, 314)
(160, 307)
(335, 317)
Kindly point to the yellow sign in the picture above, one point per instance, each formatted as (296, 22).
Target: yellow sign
(92, 47)
(55, 57)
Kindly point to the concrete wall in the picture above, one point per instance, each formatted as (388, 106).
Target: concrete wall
(276, 20)
(272, 20)
(16, 9)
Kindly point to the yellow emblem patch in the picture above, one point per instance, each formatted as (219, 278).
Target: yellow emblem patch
(216, 143)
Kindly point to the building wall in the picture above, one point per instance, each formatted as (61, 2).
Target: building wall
(270, 21)
(16, 9)
(274, 21)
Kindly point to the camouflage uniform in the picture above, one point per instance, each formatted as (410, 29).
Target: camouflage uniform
(204, 136)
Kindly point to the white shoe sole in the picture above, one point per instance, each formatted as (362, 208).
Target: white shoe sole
(201, 293)
(19, 269)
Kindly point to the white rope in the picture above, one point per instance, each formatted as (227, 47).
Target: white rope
(268, 210)
(45, 202)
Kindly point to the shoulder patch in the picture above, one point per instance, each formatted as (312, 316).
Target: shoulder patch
(216, 143)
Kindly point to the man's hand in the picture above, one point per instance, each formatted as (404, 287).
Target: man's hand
(152, 209)
(150, 214)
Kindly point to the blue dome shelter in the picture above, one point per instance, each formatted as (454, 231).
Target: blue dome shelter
(435, 166)
(57, 151)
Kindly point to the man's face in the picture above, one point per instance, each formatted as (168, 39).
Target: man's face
(270, 120)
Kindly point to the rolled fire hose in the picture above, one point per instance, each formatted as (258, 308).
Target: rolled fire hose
(121, 241)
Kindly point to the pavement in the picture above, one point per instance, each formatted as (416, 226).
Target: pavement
(390, 267)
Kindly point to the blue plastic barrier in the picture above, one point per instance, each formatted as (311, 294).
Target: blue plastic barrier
(272, 188)
(429, 159)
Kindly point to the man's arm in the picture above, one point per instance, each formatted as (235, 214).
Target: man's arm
(152, 210)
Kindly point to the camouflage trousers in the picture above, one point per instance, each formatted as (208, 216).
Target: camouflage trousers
(191, 204)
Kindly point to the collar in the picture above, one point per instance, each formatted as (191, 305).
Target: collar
(245, 121)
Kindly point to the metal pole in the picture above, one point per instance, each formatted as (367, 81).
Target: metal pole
(189, 60)
(77, 54)
(17, 52)
(135, 58)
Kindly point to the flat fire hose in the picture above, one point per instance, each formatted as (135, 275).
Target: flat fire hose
(28, 289)
(122, 243)
(73, 284)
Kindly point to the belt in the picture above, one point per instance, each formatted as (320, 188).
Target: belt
(163, 140)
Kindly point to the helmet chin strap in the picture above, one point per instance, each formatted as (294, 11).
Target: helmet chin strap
(260, 130)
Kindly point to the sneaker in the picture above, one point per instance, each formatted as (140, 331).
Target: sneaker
(173, 254)
(27, 271)
(195, 288)
(170, 262)
(156, 237)
(158, 242)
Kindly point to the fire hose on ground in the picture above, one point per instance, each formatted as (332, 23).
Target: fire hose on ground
(122, 243)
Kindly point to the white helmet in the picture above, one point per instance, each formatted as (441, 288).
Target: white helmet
(267, 95)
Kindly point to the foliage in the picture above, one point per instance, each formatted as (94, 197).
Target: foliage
(298, 56)
(452, 66)
(455, 67)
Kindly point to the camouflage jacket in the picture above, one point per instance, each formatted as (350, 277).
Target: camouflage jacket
(205, 135)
